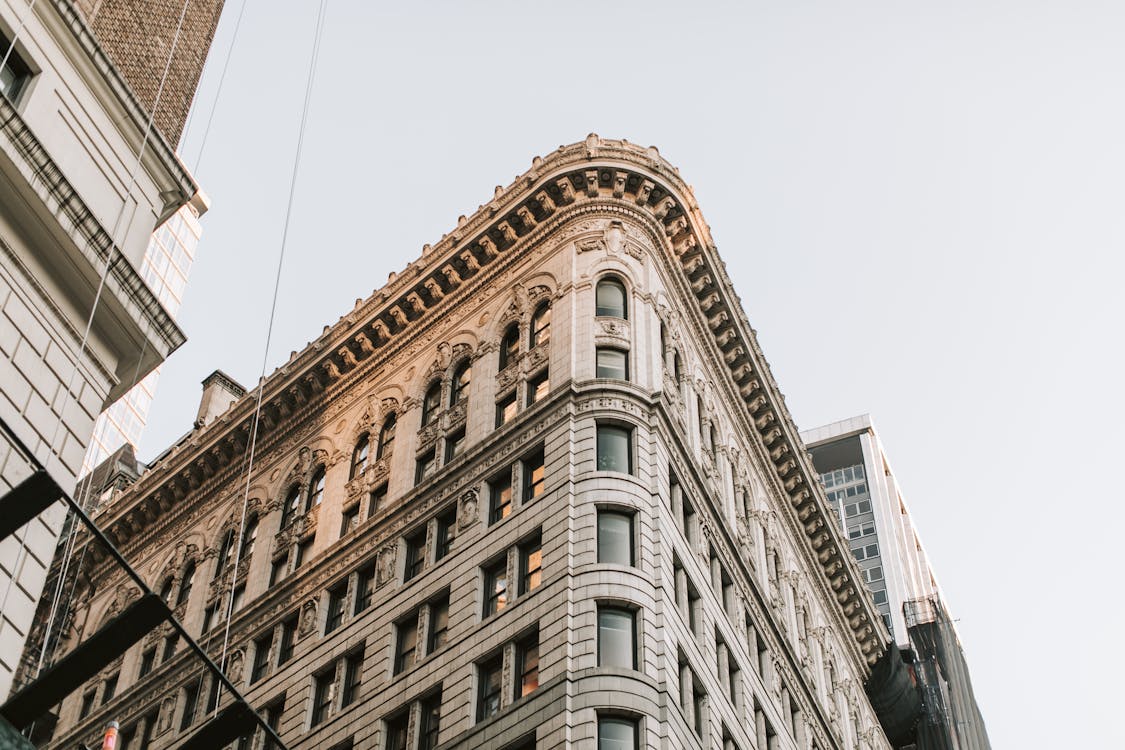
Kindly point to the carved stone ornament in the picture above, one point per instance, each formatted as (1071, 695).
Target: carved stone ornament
(590, 245)
(167, 709)
(385, 567)
(507, 376)
(308, 617)
(467, 512)
(377, 471)
(234, 668)
(355, 487)
(537, 356)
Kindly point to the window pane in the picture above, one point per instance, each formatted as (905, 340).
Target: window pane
(613, 449)
(615, 638)
(610, 299)
(612, 363)
(617, 734)
(541, 326)
(491, 675)
(615, 538)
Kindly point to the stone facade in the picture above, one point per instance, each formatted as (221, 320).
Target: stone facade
(619, 455)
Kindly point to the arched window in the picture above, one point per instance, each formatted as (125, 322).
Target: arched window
(386, 442)
(186, 581)
(289, 509)
(359, 456)
(226, 547)
(316, 490)
(509, 345)
(249, 536)
(166, 590)
(541, 325)
(459, 389)
(610, 299)
(431, 403)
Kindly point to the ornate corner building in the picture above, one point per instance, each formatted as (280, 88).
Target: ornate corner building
(539, 491)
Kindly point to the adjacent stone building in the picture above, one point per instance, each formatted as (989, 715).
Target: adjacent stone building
(539, 491)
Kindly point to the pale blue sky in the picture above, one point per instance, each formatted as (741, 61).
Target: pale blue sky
(920, 206)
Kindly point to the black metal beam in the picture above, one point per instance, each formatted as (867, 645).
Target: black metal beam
(26, 500)
(234, 721)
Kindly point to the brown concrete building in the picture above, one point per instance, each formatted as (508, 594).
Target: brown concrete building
(540, 490)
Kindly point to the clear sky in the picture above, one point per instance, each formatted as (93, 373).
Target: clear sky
(919, 204)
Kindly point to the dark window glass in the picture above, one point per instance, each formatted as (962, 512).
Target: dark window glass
(278, 569)
(614, 449)
(506, 409)
(249, 537)
(431, 403)
(386, 438)
(491, 677)
(238, 598)
(615, 537)
(509, 346)
(212, 696)
(616, 638)
(365, 588)
(337, 600)
(226, 549)
(359, 456)
(288, 638)
(459, 387)
(439, 624)
(191, 700)
(353, 673)
(262, 648)
(292, 502)
(15, 73)
(531, 565)
(500, 498)
(322, 695)
(209, 618)
(170, 644)
(495, 587)
(612, 363)
(425, 467)
(273, 720)
(527, 660)
(377, 500)
(534, 476)
(166, 590)
(126, 737)
(148, 731)
(611, 299)
(349, 519)
(541, 325)
(617, 734)
(316, 490)
(415, 554)
(397, 728)
(186, 582)
(446, 526)
(148, 661)
(454, 444)
(538, 387)
(431, 722)
(304, 551)
(407, 646)
(109, 687)
(87, 704)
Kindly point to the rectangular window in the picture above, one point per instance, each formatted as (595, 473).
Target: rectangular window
(616, 637)
(431, 722)
(527, 661)
(87, 703)
(376, 500)
(322, 695)
(364, 588)
(278, 569)
(454, 445)
(616, 733)
(612, 363)
(439, 624)
(531, 565)
(109, 687)
(191, 699)
(304, 552)
(15, 74)
(615, 537)
(407, 645)
(415, 554)
(491, 676)
(534, 476)
(397, 729)
(538, 387)
(500, 498)
(425, 467)
(506, 409)
(170, 644)
(353, 673)
(262, 647)
(148, 661)
(212, 696)
(273, 721)
(496, 587)
(349, 520)
(337, 602)
(446, 524)
(238, 598)
(615, 451)
(288, 638)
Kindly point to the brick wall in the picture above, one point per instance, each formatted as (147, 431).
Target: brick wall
(137, 35)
